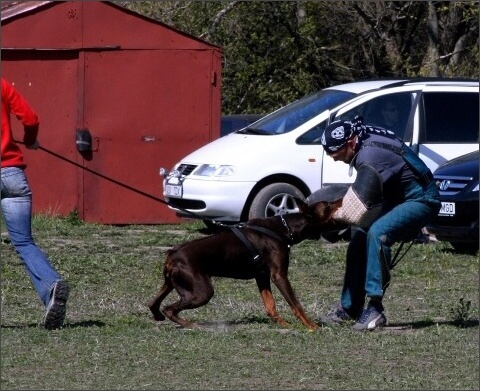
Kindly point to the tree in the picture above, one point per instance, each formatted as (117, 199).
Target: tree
(275, 52)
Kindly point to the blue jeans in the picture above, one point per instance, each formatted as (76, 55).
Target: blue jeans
(369, 258)
(17, 212)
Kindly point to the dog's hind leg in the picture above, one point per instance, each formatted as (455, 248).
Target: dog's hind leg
(167, 287)
(154, 304)
(263, 283)
(193, 292)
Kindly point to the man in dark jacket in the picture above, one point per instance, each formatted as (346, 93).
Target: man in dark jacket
(392, 199)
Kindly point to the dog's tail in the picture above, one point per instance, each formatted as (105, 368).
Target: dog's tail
(171, 250)
(168, 266)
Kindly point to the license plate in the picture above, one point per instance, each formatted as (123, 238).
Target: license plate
(447, 209)
(174, 190)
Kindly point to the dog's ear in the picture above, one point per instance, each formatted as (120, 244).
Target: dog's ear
(322, 210)
(325, 210)
(336, 204)
(333, 206)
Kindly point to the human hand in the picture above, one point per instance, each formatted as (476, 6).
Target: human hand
(35, 145)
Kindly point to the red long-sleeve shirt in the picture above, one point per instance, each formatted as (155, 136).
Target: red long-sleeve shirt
(14, 103)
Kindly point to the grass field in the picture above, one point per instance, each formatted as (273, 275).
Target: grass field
(110, 341)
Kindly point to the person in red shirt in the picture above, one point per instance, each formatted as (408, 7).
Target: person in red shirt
(16, 202)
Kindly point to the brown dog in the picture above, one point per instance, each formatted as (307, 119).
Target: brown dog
(259, 250)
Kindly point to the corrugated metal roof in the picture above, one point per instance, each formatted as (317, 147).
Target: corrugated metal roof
(14, 8)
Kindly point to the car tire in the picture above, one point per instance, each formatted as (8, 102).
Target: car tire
(465, 248)
(275, 199)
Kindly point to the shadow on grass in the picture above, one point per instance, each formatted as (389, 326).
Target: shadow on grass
(466, 251)
(391, 327)
(212, 229)
(429, 323)
(84, 324)
(229, 325)
(251, 320)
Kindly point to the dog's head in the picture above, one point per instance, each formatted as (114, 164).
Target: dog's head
(319, 217)
(320, 211)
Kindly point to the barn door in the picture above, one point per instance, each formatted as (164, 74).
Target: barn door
(144, 109)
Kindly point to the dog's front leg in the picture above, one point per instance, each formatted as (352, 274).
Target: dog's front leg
(283, 284)
(264, 287)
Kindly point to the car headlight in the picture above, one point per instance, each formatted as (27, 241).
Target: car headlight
(215, 170)
(475, 188)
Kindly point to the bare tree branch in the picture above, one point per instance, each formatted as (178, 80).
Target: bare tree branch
(217, 19)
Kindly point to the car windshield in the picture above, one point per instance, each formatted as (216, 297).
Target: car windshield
(297, 113)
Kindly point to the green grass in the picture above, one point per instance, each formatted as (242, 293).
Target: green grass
(111, 342)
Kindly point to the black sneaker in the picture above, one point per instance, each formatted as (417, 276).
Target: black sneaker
(370, 319)
(336, 316)
(56, 309)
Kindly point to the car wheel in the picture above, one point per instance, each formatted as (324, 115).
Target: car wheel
(275, 199)
(465, 248)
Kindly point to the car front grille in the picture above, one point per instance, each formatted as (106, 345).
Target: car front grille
(451, 185)
(186, 169)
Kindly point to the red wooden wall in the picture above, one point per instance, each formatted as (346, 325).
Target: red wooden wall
(147, 93)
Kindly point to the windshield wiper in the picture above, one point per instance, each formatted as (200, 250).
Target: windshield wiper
(249, 130)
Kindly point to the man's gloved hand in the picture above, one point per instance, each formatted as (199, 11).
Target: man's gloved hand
(35, 145)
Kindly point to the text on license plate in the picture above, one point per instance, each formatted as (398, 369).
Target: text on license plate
(173, 190)
(447, 209)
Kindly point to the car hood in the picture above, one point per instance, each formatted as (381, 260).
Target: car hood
(232, 148)
(462, 165)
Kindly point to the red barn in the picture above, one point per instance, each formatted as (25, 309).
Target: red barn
(144, 93)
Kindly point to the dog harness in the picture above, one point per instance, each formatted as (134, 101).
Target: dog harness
(255, 254)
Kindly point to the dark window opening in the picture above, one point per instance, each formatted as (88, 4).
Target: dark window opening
(450, 117)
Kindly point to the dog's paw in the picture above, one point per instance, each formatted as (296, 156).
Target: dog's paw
(158, 316)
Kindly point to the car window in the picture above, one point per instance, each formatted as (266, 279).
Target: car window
(297, 113)
(391, 111)
(314, 135)
(450, 117)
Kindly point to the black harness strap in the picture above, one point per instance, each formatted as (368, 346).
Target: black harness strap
(255, 254)
(247, 243)
(270, 233)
